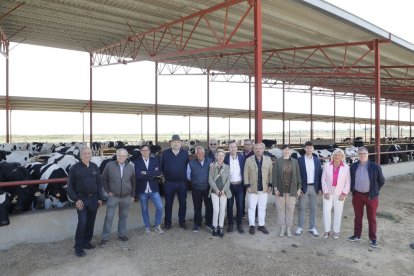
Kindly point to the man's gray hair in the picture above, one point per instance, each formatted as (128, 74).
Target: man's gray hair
(362, 149)
(199, 148)
(118, 151)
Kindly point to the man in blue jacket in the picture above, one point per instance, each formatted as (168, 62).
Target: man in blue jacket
(197, 173)
(174, 168)
(366, 181)
(311, 172)
(236, 163)
(147, 170)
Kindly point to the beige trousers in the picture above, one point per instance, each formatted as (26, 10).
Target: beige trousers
(285, 208)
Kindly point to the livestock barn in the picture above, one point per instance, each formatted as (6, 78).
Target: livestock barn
(308, 46)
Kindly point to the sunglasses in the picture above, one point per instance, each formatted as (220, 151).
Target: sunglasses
(213, 144)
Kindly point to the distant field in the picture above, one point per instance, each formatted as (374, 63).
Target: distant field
(296, 137)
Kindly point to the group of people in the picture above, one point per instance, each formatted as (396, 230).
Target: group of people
(219, 179)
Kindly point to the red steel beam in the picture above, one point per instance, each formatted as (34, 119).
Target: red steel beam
(258, 70)
(32, 182)
(377, 59)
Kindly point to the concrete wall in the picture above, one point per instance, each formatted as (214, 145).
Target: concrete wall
(60, 224)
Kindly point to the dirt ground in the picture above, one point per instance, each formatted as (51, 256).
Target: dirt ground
(180, 252)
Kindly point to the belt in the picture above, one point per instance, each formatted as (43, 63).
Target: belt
(363, 193)
(121, 196)
(310, 183)
(235, 183)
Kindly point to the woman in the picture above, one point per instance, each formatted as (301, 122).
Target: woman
(287, 185)
(336, 181)
(219, 180)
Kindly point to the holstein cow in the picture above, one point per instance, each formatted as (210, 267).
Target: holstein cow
(63, 160)
(410, 155)
(19, 198)
(392, 157)
(351, 154)
(21, 157)
(41, 148)
(50, 195)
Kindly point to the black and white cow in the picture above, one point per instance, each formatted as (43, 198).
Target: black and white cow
(410, 155)
(21, 157)
(63, 160)
(392, 157)
(269, 143)
(351, 155)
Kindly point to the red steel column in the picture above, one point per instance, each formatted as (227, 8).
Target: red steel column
(370, 119)
(90, 99)
(258, 133)
(354, 117)
(250, 108)
(398, 122)
(311, 114)
(410, 123)
(385, 119)
(7, 95)
(377, 77)
(208, 106)
(283, 115)
(189, 127)
(334, 118)
(156, 103)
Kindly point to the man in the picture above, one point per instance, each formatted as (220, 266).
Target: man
(84, 188)
(174, 168)
(236, 163)
(248, 148)
(248, 151)
(197, 173)
(366, 181)
(118, 179)
(258, 181)
(147, 171)
(310, 172)
(212, 148)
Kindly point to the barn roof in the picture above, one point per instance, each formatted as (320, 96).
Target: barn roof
(307, 42)
(70, 105)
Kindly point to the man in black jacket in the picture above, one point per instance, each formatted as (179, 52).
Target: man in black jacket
(84, 188)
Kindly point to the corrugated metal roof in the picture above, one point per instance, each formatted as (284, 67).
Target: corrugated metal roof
(91, 25)
(70, 105)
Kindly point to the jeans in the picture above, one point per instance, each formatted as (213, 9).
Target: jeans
(156, 200)
(313, 201)
(49, 203)
(198, 197)
(237, 192)
(124, 206)
(170, 189)
(86, 221)
(359, 200)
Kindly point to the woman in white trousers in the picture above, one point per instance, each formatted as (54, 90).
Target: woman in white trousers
(219, 180)
(336, 181)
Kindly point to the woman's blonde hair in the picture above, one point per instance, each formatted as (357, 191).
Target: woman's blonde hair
(338, 150)
(220, 151)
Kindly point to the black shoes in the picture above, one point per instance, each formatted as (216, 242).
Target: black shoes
(80, 253)
(184, 226)
(263, 229)
(89, 246)
(124, 238)
(167, 226)
(218, 232)
(230, 228)
(240, 229)
(252, 230)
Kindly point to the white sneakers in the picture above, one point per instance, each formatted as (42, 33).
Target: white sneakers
(314, 232)
(299, 231)
(159, 230)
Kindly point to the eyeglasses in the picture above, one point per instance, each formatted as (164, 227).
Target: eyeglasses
(144, 150)
(213, 144)
(362, 153)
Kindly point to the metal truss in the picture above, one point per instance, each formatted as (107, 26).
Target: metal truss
(177, 38)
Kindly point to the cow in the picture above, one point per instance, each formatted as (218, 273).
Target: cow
(63, 160)
(358, 142)
(324, 155)
(20, 197)
(392, 157)
(351, 154)
(21, 157)
(269, 143)
(410, 155)
(41, 148)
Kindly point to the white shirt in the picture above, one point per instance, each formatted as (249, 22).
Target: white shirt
(235, 173)
(148, 189)
(121, 168)
(310, 169)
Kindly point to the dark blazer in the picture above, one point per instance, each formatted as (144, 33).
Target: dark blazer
(318, 173)
(241, 162)
(376, 178)
(142, 179)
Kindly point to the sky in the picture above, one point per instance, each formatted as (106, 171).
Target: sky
(56, 73)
